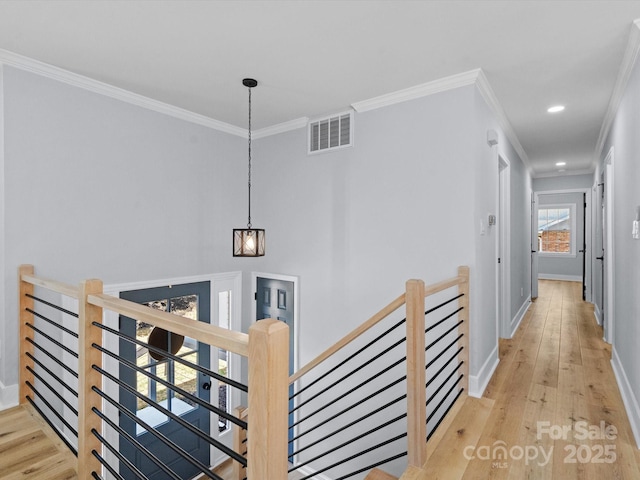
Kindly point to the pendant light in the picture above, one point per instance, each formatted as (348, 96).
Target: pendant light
(249, 242)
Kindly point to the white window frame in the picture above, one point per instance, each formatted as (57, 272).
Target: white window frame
(572, 243)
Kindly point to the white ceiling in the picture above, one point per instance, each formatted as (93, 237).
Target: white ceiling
(317, 57)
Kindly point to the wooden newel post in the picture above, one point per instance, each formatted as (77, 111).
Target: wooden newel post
(87, 378)
(416, 375)
(24, 316)
(463, 356)
(268, 400)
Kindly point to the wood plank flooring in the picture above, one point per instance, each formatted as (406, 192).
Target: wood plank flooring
(554, 385)
(30, 450)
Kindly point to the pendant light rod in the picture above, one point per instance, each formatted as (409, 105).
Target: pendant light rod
(249, 83)
(249, 242)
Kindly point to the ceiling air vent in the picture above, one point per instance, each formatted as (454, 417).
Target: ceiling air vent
(330, 133)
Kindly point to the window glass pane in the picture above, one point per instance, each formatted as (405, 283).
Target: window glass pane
(554, 230)
(224, 321)
(183, 376)
(164, 368)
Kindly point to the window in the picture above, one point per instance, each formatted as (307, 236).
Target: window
(556, 230)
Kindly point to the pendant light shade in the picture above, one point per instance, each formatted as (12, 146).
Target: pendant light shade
(249, 242)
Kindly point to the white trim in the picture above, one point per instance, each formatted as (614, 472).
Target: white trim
(568, 173)
(628, 398)
(478, 383)
(3, 335)
(517, 320)
(561, 192)
(61, 75)
(503, 245)
(418, 91)
(503, 120)
(609, 255)
(572, 218)
(597, 313)
(296, 305)
(306, 471)
(8, 396)
(471, 77)
(557, 276)
(295, 124)
(626, 68)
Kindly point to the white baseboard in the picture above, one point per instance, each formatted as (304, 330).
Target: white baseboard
(477, 383)
(555, 276)
(8, 396)
(515, 323)
(306, 471)
(628, 398)
(597, 313)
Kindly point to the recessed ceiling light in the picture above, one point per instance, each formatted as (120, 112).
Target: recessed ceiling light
(560, 164)
(555, 109)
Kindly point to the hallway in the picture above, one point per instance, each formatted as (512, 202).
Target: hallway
(555, 401)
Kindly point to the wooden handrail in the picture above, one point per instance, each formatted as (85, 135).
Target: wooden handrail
(53, 285)
(374, 320)
(229, 340)
(443, 285)
(350, 337)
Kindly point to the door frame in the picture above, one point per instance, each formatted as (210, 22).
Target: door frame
(296, 305)
(588, 249)
(609, 290)
(503, 247)
(296, 324)
(112, 343)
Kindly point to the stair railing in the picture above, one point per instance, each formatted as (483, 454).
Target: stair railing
(415, 374)
(266, 347)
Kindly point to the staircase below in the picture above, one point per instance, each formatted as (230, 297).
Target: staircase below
(462, 428)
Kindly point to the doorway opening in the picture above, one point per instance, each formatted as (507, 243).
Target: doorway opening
(276, 296)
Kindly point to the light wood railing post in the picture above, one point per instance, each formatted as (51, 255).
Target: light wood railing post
(239, 444)
(268, 400)
(463, 302)
(88, 377)
(416, 375)
(25, 332)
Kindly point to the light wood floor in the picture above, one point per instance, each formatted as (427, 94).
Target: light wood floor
(30, 450)
(555, 370)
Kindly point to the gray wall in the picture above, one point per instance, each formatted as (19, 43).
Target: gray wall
(569, 266)
(563, 182)
(625, 140)
(96, 188)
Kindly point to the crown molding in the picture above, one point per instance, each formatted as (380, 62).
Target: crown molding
(418, 91)
(471, 77)
(280, 128)
(568, 173)
(490, 97)
(92, 85)
(626, 68)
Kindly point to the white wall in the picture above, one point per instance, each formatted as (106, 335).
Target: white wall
(94, 187)
(562, 182)
(625, 140)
